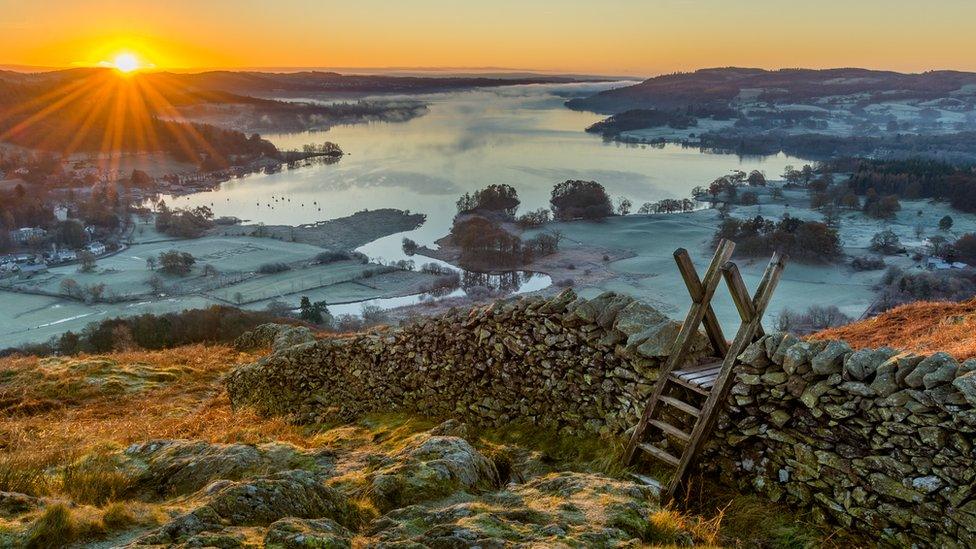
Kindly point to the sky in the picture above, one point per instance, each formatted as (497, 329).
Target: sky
(630, 37)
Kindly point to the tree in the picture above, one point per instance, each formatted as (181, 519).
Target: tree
(71, 233)
(939, 246)
(71, 288)
(886, 242)
(966, 248)
(756, 179)
(316, 313)
(623, 206)
(151, 263)
(176, 263)
(881, 207)
(749, 198)
(945, 223)
(409, 246)
(95, 292)
(577, 199)
(140, 180)
(86, 261)
(493, 198)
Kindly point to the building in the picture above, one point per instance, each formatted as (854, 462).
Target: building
(939, 264)
(27, 271)
(24, 235)
(96, 248)
(61, 212)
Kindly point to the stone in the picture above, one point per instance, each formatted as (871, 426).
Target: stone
(637, 317)
(831, 359)
(295, 533)
(890, 487)
(15, 503)
(927, 484)
(174, 467)
(796, 356)
(884, 383)
(863, 363)
(264, 500)
(431, 467)
(292, 336)
(966, 384)
(788, 341)
(779, 417)
(939, 369)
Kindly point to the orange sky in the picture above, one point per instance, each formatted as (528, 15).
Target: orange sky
(609, 36)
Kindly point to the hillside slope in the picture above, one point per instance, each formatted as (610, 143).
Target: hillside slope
(923, 327)
(143, 448)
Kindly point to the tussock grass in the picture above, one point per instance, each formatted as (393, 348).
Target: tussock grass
(95, 479)
(671, 527)
(60, 526)
(747, 520)
(20, 473)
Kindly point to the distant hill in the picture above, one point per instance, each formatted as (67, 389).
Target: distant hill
(722, 86)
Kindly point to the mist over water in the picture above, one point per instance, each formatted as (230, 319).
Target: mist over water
(519, 135)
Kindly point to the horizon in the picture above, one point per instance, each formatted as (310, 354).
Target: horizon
(615, 38)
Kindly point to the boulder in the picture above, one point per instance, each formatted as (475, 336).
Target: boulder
(294, 533)
(941, 365)
(862, 364)
(432, 467)
(966, 384)
(264, 500)
(173, 467)
(290, 337)
(831, 359)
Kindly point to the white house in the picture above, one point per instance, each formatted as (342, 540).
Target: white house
(96, 248)
(61, 212)
(25, 234)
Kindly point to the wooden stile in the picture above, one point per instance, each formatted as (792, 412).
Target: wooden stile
(712, 379)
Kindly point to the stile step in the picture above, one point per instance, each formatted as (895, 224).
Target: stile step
(681, 405)
(671, 430)
(658, 453)
(688, 385)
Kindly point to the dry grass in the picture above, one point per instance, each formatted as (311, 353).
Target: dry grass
(171, 394)
(61, 420)
(924, 327)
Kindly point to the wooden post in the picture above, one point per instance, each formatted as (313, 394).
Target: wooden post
(720, 390)
(683, 341)
(712, 327)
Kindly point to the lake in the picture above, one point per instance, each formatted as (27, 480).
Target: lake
(519, 135)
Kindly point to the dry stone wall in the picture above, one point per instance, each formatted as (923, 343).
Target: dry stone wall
(568, 363)
(877, 441)
(874, 440)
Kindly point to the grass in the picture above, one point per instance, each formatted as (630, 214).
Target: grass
(746, 520)
(59, 526)
(65, 450)
(923, 327)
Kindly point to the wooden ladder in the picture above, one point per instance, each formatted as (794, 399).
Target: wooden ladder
(711, 378)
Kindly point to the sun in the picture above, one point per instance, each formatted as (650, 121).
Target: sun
(126, 63)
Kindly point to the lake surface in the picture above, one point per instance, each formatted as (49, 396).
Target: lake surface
(519, 135)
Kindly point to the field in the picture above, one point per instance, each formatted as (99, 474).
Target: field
(651, 275)
(29, 317)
